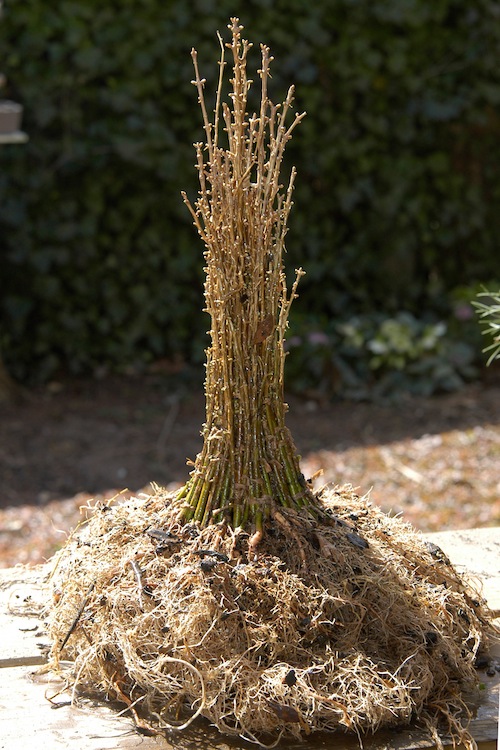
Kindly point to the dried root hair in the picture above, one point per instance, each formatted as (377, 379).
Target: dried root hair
(355, 623)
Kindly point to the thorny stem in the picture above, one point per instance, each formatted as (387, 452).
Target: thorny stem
(248, 462)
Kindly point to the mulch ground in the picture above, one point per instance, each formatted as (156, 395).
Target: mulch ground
(435, 461)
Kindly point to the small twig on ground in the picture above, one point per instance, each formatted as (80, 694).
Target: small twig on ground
(406, 471)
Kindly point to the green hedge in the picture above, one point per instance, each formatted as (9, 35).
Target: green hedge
(397, 198)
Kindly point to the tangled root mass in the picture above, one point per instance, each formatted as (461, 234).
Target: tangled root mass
(350, 622)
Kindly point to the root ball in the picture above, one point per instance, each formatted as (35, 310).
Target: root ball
(374, 629)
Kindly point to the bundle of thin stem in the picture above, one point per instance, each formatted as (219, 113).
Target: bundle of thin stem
(248, 458)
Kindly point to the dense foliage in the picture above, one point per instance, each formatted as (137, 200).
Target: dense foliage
(397, 198)
(488, 308)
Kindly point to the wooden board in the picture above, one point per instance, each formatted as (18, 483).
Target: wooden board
(475, 552)
(20, 627)
(28, 719)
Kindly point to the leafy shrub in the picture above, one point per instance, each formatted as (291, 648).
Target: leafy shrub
(397, 195)
(378, 357)
(488, 309)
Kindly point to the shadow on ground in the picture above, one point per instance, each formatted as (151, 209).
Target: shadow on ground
(92, 435)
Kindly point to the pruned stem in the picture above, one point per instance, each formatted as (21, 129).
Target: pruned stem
(248, 461)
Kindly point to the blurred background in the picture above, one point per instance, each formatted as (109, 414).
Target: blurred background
(396, 218)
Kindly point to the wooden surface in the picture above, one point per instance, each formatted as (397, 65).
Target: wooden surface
(28, 720)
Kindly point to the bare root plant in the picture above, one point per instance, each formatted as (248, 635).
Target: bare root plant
(246, 598)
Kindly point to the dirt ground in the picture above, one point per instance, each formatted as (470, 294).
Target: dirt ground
(434, 461)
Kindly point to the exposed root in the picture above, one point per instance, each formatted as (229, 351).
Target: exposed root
(353, 623)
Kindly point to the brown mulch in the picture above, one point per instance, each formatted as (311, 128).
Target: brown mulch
(435, 461)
